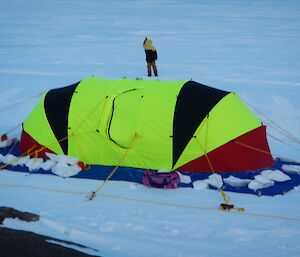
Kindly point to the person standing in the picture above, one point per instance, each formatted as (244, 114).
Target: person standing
(151, 56)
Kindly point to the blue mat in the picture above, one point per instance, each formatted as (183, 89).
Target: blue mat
(135, 175)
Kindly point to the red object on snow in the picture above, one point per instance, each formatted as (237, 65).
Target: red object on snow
(83, 166)
(4, 137)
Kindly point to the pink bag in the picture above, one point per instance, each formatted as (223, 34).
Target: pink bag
(156, 179)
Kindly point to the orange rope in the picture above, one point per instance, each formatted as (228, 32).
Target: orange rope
(224, 196)
(35, 153)
(101, 112)
(209, 163)
(79, 149)
(28, 152)
(16, 159)
(90, 113)
(93, 194)
(252, 147)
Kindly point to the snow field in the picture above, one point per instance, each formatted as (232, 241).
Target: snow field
(118, 227)
(249, 47)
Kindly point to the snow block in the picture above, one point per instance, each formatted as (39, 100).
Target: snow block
(276, 180)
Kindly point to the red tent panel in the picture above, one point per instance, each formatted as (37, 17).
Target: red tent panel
(247, 152)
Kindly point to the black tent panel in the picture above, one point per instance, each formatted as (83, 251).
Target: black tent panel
(194, 103)
(57, 104)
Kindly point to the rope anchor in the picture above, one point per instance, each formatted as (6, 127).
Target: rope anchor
(229, 207)
(91, 196)
(226, 206)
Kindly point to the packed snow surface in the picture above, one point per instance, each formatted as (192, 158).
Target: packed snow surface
(127, 219)
(248, 47)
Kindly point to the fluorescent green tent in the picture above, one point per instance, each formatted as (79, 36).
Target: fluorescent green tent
(148, 124)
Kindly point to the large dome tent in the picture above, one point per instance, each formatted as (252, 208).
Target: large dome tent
(148, 124)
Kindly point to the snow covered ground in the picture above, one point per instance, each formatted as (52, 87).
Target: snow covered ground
(250, 47)
(128, 219)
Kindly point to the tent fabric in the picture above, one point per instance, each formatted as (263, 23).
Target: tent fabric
(155, 124)
(194, 103)
(136, 175)
(235, 155)
(56, 105)
(39, 131)
(30, 147)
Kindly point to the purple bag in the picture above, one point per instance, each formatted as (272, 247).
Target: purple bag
(156, 179)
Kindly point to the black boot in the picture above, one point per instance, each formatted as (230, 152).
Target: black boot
(155, 70)
(149, 69)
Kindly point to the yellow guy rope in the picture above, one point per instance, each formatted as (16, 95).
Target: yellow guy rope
(93, 194)
(15, 159)
(252, 148)
(166, 204)
(226, 198)
(28, 152)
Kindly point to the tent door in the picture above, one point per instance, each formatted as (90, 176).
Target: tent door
(123, 123)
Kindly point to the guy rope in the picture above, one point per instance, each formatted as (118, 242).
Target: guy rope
(93, 194)
(146, 201)
(223, 206)
(276, 127)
